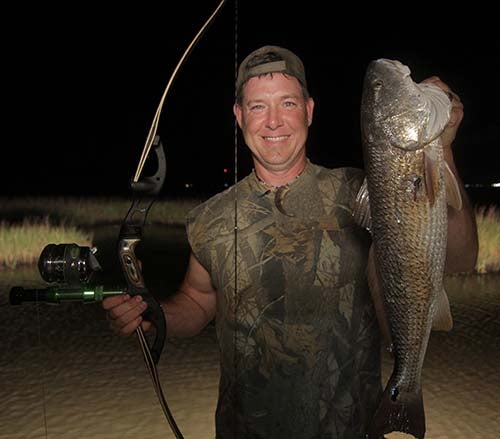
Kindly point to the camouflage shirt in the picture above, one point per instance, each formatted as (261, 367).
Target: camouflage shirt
(297, 332)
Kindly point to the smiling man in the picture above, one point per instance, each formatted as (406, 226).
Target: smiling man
(274, 114)
(279, 263)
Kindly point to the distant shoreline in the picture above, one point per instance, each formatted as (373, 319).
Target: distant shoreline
(484, 196)
(27, 223)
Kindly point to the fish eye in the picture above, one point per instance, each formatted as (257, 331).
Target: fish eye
(377, 84)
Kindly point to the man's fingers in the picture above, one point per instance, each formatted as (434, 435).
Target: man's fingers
(133, 306)
(432, 79)
(112, 301)
(128, 329)
(146, 325)
(125, 315)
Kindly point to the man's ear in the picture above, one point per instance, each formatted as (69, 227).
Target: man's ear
(238, 112)
(310, 111)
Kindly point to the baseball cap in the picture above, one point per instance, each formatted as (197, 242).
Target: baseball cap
(270, 59)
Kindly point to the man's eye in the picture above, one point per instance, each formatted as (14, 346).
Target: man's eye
(257, 107)
(290, 104)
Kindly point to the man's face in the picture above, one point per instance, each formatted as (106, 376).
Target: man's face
(274, 118)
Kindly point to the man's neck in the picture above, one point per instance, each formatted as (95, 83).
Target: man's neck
(275, 179)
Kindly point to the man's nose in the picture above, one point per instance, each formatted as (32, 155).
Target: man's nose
(274, 119)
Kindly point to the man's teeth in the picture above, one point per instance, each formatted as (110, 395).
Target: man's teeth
(276, 138)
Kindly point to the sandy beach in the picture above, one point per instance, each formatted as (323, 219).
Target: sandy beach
(64, 375)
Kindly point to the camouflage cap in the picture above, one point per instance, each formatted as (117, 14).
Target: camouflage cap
(270, 59)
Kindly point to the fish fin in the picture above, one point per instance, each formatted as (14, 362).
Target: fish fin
(399, 411)
(439, 110)
(442, 319)
(378, 300)
(431, 176)
(361, 211)
(453, 195)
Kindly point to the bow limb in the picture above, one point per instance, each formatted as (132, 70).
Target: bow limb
(154, 126)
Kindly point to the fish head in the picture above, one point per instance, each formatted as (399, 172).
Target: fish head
(398, 112)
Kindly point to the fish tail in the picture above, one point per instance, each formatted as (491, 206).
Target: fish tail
(399, 411)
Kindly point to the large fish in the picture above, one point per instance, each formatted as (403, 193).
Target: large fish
(404, 204)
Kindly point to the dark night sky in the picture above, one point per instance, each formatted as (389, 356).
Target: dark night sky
(82, 88)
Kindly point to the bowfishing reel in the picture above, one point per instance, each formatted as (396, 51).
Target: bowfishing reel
(69, 269)
(68, 264)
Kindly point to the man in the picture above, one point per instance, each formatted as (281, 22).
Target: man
(298, 336)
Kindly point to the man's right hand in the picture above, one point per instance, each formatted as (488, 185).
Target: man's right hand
(124, 313)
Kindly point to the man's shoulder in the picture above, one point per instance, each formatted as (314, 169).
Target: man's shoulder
(210, 210)
(344, 173)
(216, 205)
(215, 217)
(341, 178)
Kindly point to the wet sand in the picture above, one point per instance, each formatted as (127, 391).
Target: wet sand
(63, 375)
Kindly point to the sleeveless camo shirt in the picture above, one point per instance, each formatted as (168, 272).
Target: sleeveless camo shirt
(298, 337)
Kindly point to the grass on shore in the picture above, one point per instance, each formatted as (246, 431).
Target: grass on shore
(29, 224)
(488, 229)
(90, 211)
(22, 243)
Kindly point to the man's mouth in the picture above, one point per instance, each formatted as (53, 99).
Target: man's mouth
(275, 138)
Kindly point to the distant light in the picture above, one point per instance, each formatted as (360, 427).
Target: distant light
(188, 185)
(495, 185)
(226, 170)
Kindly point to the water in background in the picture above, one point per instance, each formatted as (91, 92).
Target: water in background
(483, 196)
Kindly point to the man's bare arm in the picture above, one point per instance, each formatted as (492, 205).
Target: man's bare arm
(462, 244)
(194, 304)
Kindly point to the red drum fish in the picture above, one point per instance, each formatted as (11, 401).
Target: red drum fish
(403, 203)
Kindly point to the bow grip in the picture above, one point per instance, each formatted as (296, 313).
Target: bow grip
(154, 314)
(136, 286)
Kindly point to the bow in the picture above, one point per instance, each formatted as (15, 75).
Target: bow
(144, 194)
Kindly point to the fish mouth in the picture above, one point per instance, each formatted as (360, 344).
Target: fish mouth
(396, 65)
